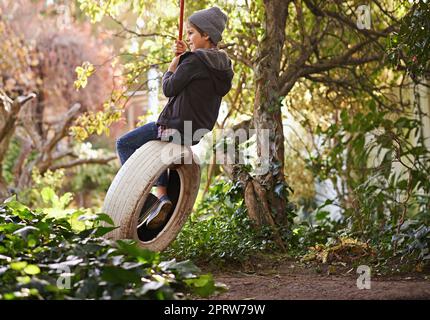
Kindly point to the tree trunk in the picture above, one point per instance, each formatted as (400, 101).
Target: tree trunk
(4, 145)
(9, 111)
(264, 196)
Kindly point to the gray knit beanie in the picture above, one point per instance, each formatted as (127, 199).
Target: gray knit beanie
(212, 21)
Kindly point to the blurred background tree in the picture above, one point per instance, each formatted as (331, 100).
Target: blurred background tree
(40, 49)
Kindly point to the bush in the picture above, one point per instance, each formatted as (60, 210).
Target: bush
(383, 163)
(219, 230)
(42, 257)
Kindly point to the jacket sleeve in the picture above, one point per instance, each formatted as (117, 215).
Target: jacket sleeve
(175, 82)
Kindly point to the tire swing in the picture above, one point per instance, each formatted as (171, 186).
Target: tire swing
(129, 193)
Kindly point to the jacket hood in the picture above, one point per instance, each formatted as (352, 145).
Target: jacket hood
(220, 66)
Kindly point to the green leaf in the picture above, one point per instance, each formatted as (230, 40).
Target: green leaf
(151, 286)
(23, 280)
(65, 200)
(19, 209)
(105, 218)
(32, 269)
(24, 232)
(120, 276)
(203, 285)
(48, 195)
(75, 222)
(101, 231)
(131, 248)
(18, 265)
(321, 215)
(9, 227)
(185, 269)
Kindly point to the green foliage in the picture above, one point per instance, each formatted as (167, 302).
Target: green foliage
(9, 161)
(219, 230)
(385, 165)
(92, 177)
(50, 180)
(311, 229)
(82, 74)
(96, 122)
(42, 257)
(49, 196)
(411, 44)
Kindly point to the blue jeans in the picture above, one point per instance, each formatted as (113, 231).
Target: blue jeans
(127, 144)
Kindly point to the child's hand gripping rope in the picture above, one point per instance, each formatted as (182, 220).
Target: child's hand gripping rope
(178, 49)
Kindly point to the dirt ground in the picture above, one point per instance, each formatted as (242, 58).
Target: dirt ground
(290, 281)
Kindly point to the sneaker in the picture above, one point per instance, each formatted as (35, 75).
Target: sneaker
(158, 213)
(149, 205)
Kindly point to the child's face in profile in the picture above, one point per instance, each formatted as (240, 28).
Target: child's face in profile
(195, 40)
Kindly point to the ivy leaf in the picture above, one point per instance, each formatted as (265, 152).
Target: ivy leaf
(105, 218)
(101, 231)
(185, 269)
(203, 285)
(151, 286)
(18, 265)
(131, 248)
(32, 269)
(23, 232)
(48, 195)
(120, 276)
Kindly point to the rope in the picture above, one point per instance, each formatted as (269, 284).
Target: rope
(181, 19)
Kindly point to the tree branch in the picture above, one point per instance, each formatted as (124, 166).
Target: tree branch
(61, 130)
(137, 34)
(81, 162)
(345, 20)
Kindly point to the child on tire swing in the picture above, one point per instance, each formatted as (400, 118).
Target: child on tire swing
(195, 83)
